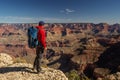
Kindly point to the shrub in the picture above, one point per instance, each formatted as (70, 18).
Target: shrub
(84, 77)
(73, 75)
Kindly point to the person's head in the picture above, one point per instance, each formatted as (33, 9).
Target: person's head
(41, 23)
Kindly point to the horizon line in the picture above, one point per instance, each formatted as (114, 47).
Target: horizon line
(58, 23)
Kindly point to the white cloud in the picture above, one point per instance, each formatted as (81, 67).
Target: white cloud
(15, 19)
(18, 19)
(67, 11)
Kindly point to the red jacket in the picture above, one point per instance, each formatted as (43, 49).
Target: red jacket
(41, 35)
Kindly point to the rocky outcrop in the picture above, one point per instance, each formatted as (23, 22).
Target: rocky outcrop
(88, 53)
(108, 64)
(68, 31)
(8, 31)
(100, 72)
(23, 71)
(110, 58)
(5, 60)
(115, 76)
(57, 29)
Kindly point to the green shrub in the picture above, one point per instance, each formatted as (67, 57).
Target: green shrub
(73, 75)
(84, 77)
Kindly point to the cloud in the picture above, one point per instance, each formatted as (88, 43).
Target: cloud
(67, 11)
(53, 19)
(15, 19)
(19, 19)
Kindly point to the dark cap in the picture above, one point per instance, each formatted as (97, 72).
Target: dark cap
(41, 23)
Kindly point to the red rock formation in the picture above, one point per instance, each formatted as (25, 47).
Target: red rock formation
(68, 31)
(57, 29)
(89, 27)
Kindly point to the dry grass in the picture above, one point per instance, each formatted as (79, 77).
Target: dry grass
(20, 60)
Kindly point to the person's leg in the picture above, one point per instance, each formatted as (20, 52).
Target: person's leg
(36, 58)
(39, 57)
(35, 62)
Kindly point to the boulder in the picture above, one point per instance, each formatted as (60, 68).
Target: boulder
(115, 76)
(5, 59)
(100, 72)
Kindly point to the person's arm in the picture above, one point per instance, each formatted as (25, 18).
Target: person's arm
(43, 39)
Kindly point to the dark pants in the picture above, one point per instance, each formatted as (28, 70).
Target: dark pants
(39, 54)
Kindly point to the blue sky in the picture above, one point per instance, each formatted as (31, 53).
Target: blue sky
(51, 11)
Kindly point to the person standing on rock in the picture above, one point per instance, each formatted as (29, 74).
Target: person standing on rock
(41, 47)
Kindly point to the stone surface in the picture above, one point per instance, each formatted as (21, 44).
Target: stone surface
(5, 59)
(23, 71)
(115, 76)
(100, 72)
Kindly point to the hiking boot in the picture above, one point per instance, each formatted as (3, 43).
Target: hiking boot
(33, 69)
(39, 70)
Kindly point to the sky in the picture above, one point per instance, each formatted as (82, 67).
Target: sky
(60, 11)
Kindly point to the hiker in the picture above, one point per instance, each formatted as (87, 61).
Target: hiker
(41, 47)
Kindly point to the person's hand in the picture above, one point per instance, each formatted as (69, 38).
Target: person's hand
(45, 48)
